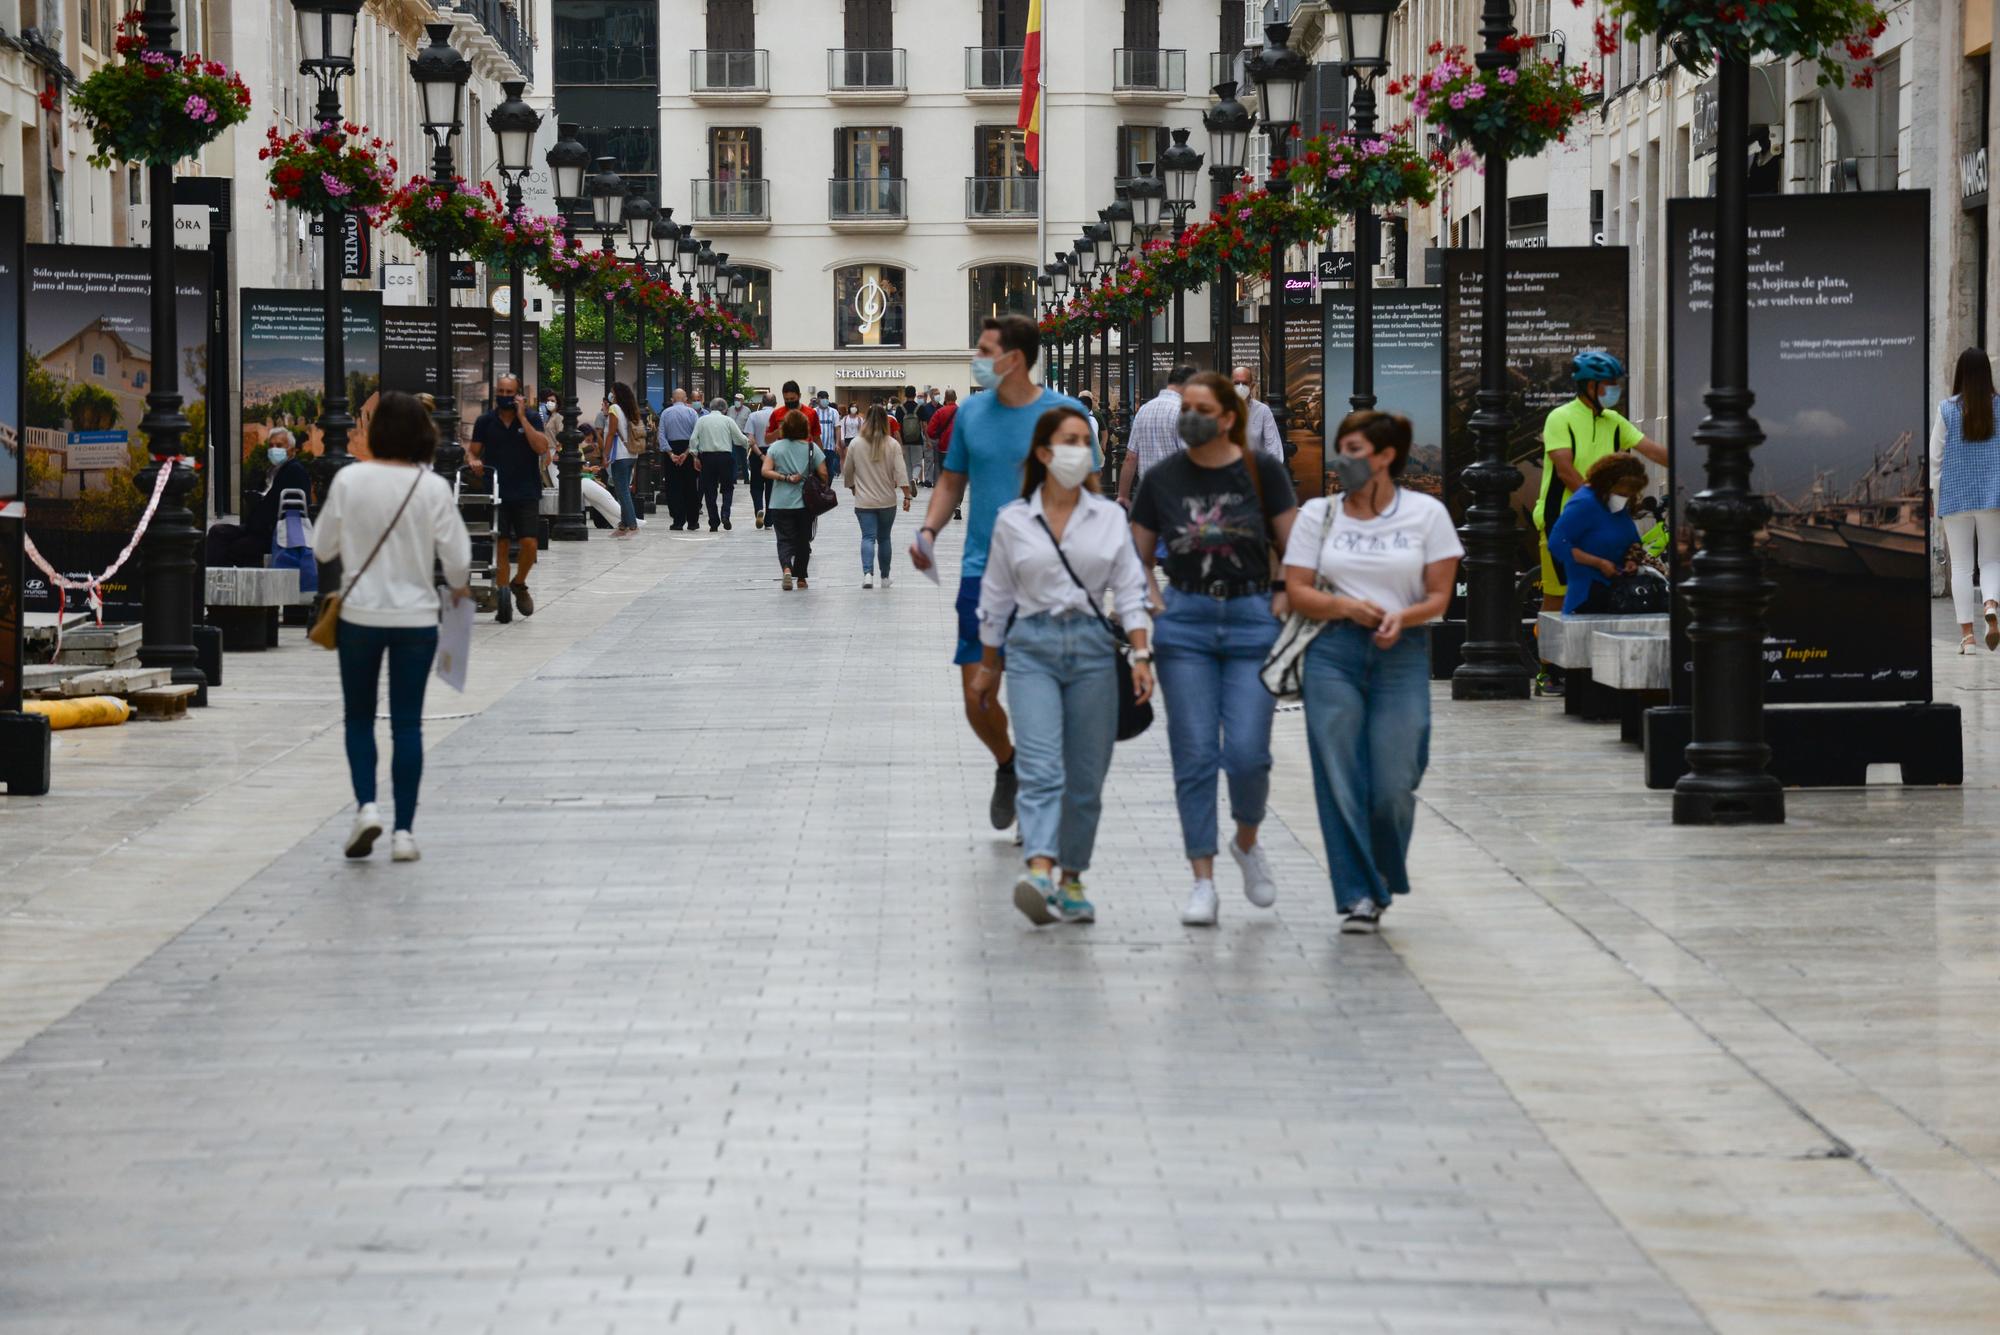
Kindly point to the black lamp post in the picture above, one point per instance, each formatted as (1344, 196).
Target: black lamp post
(1119, 214)
(1365, 40)
(1726, 783)
(441, 74)
(666, 238)
(1058, 276)
(1180, 168)
(1228, 124)
(1148, 193)
(640, 214)
(706, 263)
(1106, 252)
(607, 208)
(1085, 251)
(1492, 666)
(687, 258)
(567, 163)
(326, 46)
(514, 124)
(1279, 72)
(725, 293)
(167, 610)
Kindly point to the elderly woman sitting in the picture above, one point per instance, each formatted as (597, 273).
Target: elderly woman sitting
(1595, 540)
(249, 543)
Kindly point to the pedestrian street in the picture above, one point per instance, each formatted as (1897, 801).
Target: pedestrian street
(707, 1010)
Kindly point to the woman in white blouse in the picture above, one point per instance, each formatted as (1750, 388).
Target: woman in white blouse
(1376, 565)
(1055, 553)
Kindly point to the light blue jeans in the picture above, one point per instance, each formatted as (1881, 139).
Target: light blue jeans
(1208, 652)
(1368, 726)
(876, 525)
(1062, 689)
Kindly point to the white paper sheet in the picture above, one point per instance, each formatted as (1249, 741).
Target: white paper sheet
(454, 655)
(930, 552)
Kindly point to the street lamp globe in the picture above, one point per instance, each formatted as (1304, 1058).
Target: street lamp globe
(607, 195)
(514, 124)
(725, 281)
(1119, 215)
(1180, 165)
(1104, 241)
(1364, 34)
(1228, 124)
(687, 255)
(1085, 247)
(1148, 194)
(441, 74)
(568, 161)
(1059, 276)
(705, 265)
(326, 37)
(1279, 73)
(666, 238)
(639, 215)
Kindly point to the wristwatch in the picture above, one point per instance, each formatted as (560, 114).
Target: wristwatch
(1142, 655)
(928, 529)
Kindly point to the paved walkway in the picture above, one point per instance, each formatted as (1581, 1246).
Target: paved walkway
(707, 1010)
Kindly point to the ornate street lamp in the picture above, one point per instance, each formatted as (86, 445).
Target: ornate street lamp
(1084, 249)
(1106, 249)
(607, 208)
(441, 74)
(1058, 276)
(687, 259)
(706, 263)
(640, 216)
(514, 124)
(1148, 195)
(1279, 72)
(567, 163)
(167, 601)
(1492, 666)
(1364, 26)
(1228, 124)
(666, 238)
(1180, 165)
(326, 44)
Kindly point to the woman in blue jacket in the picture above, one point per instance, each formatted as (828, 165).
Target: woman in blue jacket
(1595, 535)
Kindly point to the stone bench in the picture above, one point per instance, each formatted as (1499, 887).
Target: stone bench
(1630, 669)
(244, 603)
(1568, 642)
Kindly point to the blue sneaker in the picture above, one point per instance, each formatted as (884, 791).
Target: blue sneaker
(1035, 896)
(1071, 906)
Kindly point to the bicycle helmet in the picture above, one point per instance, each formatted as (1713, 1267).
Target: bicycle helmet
(1595, 365)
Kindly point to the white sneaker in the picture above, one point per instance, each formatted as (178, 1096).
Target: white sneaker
(1260, 887)
(403, 847)
(1201, 907)
(1362, 919)
(868, 581)
(885, 581)
(367, 828)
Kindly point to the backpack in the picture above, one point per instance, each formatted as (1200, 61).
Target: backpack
(913, 429)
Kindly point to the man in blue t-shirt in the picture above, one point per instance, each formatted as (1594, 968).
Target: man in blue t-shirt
(990, 436)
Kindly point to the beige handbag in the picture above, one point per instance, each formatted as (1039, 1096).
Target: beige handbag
(325, 631)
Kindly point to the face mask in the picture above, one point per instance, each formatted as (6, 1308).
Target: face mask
(1243, 391)
(1619, 503)
(1352, 471)
(504, 402)
(983, 374)
(1612, 394)
(276, 454)
(1071, 464)
(1197, 430)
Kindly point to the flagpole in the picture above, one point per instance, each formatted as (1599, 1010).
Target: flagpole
(1041, 170)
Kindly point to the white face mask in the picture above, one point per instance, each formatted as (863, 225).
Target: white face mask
(1070, 464)
(1619, 503)
(276, 454)
(1243, 391)
(1611, 396)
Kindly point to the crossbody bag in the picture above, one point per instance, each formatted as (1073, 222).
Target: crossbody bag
(1286, 661)
(1134, 715)
(325, 631)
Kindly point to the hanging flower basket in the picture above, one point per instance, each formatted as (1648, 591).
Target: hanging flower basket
(151, 108)
(519, 238)
(562, 263)
(1349, 175)
(603, 276)
(1511, 112)
(429, 215)
(334, 168)
(1837, 35)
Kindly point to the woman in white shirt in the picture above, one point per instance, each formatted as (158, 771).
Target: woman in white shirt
(1376, 564)
(389, 521)
(620, 411)
(1060, 661)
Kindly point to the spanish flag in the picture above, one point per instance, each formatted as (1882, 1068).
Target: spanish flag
(1030, 118)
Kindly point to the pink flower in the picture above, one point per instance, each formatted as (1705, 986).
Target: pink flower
(1508, 76)
(434, 203)
(1458, 101)
(334, 188)
(1474, 91)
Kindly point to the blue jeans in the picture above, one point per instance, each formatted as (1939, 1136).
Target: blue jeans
(621, 487)
(409, 650)
(875, 527)
(1208, 652)
(1368, 726)
(1062, 689)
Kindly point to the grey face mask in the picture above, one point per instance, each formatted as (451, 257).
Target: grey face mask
(1352, 471)
(1197, 430)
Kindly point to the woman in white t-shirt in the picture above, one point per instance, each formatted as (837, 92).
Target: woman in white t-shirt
(620, 411)
(1376, 564)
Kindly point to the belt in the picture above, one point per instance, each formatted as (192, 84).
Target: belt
(1221, 588)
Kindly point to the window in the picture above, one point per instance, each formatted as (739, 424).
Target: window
(1003, 23)
(1528, 221)
(138, 380)
(620, 123)
(1137, 144)
(735, 153)
(83, 25)
(868, 26)
(867, 172)
(1000, 150)
(756, 307)
(607, 42)
(97, 364)
(732, 25)
(999, 289)
(868, 306)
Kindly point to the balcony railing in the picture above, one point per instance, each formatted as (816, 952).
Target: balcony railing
(1135, 71)
(742, 200)
(850, 71)
(866, 198)
(1228, 67)
(1001, 196)
(500, 23)
(730, 72)
(991, 68)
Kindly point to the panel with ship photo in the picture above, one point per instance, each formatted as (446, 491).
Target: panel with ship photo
(1838, 316)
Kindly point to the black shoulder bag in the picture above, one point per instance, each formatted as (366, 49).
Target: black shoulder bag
(1134, 717)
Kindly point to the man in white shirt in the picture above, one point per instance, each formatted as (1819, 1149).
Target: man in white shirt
(1156, 433)
(1262, 426)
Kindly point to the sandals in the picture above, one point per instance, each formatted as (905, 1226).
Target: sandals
(1992, 626)
(1965, 646)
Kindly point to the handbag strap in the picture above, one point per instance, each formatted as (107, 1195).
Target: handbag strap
(1117, 633)
(387, 531)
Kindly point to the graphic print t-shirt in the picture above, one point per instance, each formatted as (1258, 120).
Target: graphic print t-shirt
(1209, 520)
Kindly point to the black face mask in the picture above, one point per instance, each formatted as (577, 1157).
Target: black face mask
(792, 404)
(504, 402)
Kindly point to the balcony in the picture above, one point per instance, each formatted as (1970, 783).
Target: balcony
(993, 73)
(1001, 203)
(867, 76)
(494, 38)
(742, 205)
(1230, 67)
(1148, 76)
(729, 77)
(867, 204)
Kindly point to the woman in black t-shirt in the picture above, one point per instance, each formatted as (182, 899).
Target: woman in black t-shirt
(1220, 523)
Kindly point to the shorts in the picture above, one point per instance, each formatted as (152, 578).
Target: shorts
(1552, 580)
(520, 520)
(970, 650)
